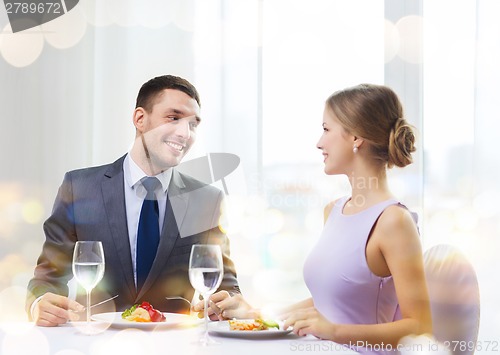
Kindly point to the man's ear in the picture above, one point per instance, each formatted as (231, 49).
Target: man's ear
(139, 119)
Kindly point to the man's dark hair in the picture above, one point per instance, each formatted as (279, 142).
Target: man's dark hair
(150, 90)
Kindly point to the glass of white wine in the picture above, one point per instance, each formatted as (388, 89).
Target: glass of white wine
(205, 274)
(88, 269)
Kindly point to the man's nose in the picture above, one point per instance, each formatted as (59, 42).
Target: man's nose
(183, 129)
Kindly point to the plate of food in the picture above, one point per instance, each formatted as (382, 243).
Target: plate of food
(248, 328)
(144, 316)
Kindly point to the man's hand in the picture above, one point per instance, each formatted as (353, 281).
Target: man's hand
(52, 310)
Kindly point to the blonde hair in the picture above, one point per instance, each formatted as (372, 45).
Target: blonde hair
(375, 113)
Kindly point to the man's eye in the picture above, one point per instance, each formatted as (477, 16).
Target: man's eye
(193, 125)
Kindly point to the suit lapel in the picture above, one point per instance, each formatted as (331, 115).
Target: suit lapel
(114, 202)
(175, 211)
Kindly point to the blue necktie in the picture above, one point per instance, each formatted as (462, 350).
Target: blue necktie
(148, 233)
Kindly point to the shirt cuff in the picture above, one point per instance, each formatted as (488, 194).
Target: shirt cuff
(33, 305)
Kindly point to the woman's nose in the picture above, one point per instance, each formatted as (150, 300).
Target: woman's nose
(319, 144)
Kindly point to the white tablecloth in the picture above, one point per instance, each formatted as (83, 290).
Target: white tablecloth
(26, 338)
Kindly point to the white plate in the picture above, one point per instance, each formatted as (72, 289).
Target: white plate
(173, 320)
(222, 328)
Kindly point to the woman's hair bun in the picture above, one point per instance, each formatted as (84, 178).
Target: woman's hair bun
(401, 144)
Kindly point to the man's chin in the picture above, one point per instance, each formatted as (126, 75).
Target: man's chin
(171, 163)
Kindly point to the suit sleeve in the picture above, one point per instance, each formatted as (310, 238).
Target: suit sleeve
(53, 269)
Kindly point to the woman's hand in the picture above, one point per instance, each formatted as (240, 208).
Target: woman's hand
(224, 306)
(237, 307)
(310, 321)
(213, 313)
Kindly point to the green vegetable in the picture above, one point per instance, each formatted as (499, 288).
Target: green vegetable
(270, 324)
(129, 311)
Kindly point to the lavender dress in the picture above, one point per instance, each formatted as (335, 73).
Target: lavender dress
(343, 288)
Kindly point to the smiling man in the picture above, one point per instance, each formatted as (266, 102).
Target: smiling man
(146, 214)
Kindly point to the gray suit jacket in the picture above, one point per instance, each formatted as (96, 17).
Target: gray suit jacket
(90, 205)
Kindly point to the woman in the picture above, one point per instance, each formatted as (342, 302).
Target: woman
(366, 273)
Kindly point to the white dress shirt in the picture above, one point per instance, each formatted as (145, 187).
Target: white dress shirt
(134, 197)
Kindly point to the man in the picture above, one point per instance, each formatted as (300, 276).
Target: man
(105, 203)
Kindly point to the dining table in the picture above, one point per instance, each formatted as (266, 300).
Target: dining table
(19, 338)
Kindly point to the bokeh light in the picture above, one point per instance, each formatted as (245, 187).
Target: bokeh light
(232, 214)
(95, 327)
(272, 221)
(66, 31)
(422, 344)
(21, 279)
(14, 212)
(410, 30)
(24, 339)
(12, 300)
(246, 215)
(155, 13)
(129, 13)
(32, 211)
(465, 219)
(22, 48)
(96, 12)
(392, 41)
(486, 204)
(273, 285)
(147, 13)
(286, 249)
(440, 227)
(123, 12)
(125, 342)
(10, 266)
(10, 209)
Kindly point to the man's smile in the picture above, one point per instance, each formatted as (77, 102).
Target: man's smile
(176, 146)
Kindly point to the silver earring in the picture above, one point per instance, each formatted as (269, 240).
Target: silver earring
(355, 149)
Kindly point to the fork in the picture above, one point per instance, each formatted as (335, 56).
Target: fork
(178, 298)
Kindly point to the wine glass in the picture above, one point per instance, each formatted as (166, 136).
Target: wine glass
(205, 275)
(88, 268)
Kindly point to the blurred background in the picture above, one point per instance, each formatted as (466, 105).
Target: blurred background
(263, 69)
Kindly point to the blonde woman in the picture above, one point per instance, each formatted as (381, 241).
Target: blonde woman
(365, 274)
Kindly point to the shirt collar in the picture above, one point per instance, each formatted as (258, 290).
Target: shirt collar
(134, 174)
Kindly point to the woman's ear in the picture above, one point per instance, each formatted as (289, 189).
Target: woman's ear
(139, 119)
(358, 142)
